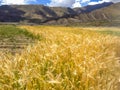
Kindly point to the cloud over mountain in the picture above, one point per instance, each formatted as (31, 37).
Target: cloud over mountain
(58, 3)
(115, 1)
(95, 2)
(76, 3)
(64, 3)
(67, 3)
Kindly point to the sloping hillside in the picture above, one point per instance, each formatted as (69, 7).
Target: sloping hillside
(101, 14)
(109, 16)
(31, 13)
(90, 8)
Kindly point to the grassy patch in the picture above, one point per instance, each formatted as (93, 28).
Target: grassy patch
(14, 39)
(7, 31)
(114, 33)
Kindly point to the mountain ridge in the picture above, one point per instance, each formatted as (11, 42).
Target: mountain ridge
(39, 14)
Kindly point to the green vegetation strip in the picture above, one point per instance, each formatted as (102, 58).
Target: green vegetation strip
(9, 31)
(14, 39)
(114, 33)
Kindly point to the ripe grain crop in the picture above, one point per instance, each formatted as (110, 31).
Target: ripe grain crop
(66, 58)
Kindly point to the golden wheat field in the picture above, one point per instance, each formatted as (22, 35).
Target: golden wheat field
(65, 58)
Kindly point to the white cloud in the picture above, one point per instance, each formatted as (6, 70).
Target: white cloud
(76, 3)
(93, 3)
(67, 3)
(84, 1)
(8, 2)
(115, 1)
(56, 3)
(63, 3)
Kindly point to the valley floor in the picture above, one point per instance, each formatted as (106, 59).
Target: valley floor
(62, 58)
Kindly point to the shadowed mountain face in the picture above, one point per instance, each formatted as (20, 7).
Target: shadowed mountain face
(109, 15)
(32, 13)
(101, 14)
(10, 14)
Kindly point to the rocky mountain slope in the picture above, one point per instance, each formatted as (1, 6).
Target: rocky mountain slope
(30, 13)
(109, 15)
(101, 14)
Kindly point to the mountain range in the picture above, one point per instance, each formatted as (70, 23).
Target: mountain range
(105, 14)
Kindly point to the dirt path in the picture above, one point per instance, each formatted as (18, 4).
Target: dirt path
(14, 45)
(14, 39)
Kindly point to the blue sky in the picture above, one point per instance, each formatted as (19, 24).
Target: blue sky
(72, 3)
(58, 3)
(46, 2)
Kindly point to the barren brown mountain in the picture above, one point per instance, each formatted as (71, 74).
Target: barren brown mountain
(101, 14)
